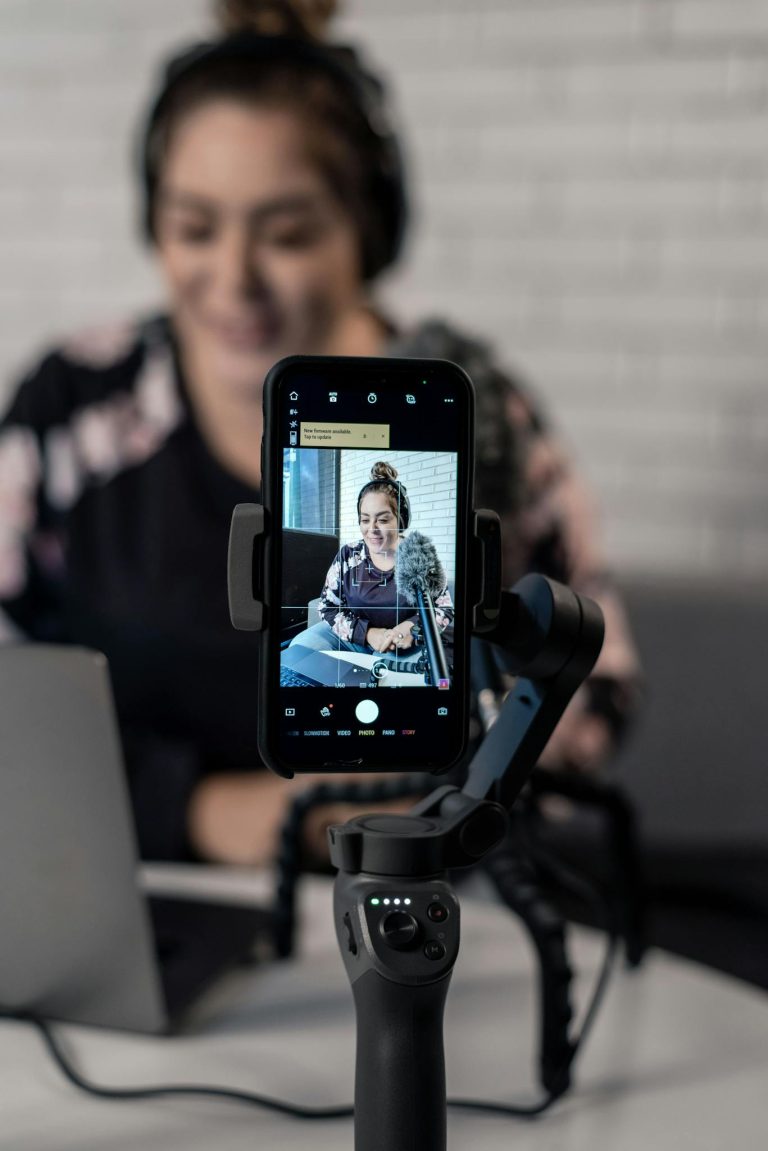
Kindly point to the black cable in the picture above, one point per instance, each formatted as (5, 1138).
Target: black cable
(629, 892)
(571, 880)
(598, 993)
(376, 791)
(296, 1111)
(344, 1111)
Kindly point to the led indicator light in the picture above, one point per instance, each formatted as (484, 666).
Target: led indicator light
(407, 901)
(375, 902)
(395, 900)
(386, 902)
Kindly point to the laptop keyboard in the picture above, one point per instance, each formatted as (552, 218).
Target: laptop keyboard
(290, 678)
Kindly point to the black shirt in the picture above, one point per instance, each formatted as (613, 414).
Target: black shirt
(122, 548)
(114, 522)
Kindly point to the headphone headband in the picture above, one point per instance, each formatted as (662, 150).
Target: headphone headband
(398, 490)
(342, 65)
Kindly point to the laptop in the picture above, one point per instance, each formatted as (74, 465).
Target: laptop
(305, 667)
(80, 941)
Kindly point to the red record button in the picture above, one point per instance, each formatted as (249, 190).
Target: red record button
(437, 912)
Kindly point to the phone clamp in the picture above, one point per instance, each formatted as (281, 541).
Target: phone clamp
(247, 535)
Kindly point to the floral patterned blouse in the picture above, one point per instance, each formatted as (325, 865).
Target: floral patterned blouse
(358, 595)
(114, 516)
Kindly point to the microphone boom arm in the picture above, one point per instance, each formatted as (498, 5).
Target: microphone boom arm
(433, 640)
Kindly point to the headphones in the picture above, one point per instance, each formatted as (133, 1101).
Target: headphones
(398, 490)
(386, 174)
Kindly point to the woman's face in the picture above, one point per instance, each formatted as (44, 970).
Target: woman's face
(259, 259)
(378, 523)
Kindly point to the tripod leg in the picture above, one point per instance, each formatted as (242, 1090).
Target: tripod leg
(516, 884)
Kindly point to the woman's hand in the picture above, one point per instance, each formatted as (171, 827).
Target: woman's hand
(402, 636)
(319, 819)
(237, 818)
(379, 638)
(398, 638)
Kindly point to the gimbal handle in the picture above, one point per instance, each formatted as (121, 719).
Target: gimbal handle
(399, 962)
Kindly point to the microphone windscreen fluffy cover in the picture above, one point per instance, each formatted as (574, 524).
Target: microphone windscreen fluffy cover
(418, 564)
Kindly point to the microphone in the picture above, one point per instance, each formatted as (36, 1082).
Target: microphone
(420, 577)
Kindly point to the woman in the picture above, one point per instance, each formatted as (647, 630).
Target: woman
(273, 198)
(360, 605)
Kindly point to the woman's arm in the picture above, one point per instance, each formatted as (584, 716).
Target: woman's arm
(348, 625)
(30, 550)
(444, 612)
(238, 818)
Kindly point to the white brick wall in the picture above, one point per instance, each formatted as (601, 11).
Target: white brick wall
(591, 184)
(429, 479)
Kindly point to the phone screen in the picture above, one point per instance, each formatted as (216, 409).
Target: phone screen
(369, 476)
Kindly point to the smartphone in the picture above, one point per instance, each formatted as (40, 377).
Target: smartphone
(367, 488)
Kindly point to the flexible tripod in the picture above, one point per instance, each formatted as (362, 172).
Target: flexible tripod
(396, 914)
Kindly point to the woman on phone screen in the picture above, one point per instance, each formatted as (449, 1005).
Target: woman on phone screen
(361, 607)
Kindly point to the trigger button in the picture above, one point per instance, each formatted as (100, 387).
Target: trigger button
(351, 941)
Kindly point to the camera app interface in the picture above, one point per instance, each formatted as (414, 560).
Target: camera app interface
(368, 557)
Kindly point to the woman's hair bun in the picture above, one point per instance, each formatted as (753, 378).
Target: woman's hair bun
(381, 470)
(302, 19)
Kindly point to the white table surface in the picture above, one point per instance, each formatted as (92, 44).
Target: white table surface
(678, 1057)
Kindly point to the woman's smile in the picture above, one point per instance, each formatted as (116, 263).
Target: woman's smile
(381, 541)
(245, 332)
(378, 524)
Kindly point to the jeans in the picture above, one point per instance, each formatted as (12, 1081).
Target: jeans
(322, 637)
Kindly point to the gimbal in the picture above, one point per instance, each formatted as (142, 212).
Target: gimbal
(396, 914)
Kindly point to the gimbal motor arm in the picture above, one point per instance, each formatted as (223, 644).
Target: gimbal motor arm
(550, 638)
